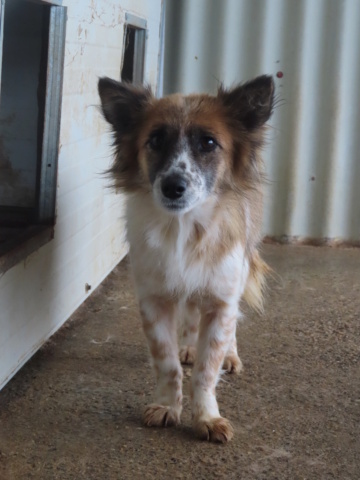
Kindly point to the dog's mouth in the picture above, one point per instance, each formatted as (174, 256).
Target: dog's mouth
(175, 206)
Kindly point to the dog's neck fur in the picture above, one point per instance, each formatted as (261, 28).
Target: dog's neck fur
(185, 228)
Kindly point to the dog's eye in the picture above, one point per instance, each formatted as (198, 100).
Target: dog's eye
(207, 143)
(156, 141)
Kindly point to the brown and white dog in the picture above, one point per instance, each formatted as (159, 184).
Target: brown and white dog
(192, 169)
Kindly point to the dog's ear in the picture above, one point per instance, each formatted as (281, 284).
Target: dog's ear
(122, 103)
(251, 103)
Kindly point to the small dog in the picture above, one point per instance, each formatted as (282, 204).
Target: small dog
(192, 169)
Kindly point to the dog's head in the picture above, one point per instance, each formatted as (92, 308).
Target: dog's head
(186, 149)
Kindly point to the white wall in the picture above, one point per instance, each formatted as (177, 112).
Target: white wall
(38, 295)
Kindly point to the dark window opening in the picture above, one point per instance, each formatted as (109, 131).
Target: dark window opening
(128, 65)
(134, 50)
(33, 36)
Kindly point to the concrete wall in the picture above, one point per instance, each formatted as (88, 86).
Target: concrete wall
(38, 295)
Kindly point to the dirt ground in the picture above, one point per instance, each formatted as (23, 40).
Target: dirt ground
(74, 411)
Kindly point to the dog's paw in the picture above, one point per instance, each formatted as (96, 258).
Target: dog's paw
(232, 364)
(214, 430)
(160, 416)
(187, 354)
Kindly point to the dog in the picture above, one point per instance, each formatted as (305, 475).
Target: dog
(192, 170)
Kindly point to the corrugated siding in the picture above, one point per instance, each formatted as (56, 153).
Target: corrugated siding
(38, 295)
(313, 157)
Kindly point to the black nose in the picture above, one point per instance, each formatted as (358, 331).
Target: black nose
(173, 186)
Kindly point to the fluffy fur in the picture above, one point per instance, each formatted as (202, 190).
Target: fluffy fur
(192, 169)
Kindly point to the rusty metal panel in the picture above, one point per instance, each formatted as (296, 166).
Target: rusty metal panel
(313, 49)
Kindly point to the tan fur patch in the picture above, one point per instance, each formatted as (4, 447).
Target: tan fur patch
(255, 285)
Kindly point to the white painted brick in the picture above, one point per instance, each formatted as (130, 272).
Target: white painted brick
(89, 233)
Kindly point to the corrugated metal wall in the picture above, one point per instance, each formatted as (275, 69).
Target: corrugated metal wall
(313, 160)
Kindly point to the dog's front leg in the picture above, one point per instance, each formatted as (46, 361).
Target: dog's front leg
(159, 324)
(215, 336)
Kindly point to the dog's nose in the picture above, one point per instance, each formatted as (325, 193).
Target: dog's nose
(173, 187)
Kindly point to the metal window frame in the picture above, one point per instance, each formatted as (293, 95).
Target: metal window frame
(140, 26)
(50, 147)
(41, 231)
(160, 75)
(2, 9)
(47, 173)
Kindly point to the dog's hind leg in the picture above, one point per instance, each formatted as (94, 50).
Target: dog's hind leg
(159, 324)
(232, 362)
(188, 334)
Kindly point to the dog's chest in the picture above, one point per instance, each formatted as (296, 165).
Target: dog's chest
(171, 259)
(177, 254)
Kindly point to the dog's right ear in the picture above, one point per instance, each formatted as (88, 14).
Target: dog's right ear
(122, 103)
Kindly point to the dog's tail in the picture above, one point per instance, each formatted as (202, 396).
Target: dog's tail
(255, 286)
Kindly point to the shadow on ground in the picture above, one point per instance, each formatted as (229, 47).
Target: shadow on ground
(74, 411)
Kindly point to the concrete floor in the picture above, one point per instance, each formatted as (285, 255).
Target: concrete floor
(74, 411)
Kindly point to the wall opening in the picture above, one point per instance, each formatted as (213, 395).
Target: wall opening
(134, 50)
(33, 37)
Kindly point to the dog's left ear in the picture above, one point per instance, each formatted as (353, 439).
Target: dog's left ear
(251, 103)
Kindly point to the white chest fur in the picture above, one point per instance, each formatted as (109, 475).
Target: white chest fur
(166, 259)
